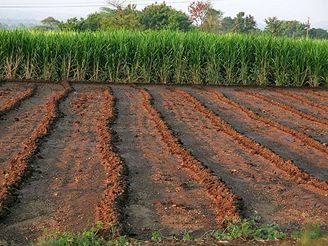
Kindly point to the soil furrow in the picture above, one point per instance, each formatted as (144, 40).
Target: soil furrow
(288, 108)
(303, 100)
(316, 131)
(294, 172)
(69, 183)
(314, 97)
(305, 154)
(10, 90)
(265, 190)
(301, 136)
(315, 112)
(226, 202)
(15, 100)
(19, 164)
(318, 94)
(161, 196)
(18, 124)
(266, 110)
(108, 210)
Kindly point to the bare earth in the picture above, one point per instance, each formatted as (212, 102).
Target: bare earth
(178, 158)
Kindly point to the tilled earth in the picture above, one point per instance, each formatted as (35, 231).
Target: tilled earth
(166, 158)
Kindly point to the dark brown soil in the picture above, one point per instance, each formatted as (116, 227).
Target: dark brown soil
(148, 158)
(18, 124)
(306, 153)
(298, 104)
(270, 111)
(10, 98)
(161, 196)
(69, 178)
(265, 189)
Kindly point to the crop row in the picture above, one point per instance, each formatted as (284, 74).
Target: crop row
(163, 57)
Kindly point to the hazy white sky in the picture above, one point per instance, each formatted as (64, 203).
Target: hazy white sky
(317, 10)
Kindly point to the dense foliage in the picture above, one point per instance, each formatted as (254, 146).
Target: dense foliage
(201, 16)
(163, 57)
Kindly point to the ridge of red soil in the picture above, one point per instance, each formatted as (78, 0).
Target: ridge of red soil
(301, 136)
(19, 166)
(15, 101)
(227, 204)
(288, 108)
(319, 94)
(107, 209)
(304, 100)
(294, 172)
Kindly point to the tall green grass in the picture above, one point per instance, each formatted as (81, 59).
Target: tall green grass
(163, 57)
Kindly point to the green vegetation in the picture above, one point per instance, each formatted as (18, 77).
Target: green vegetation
(202, 16)
(156, 236)
(312, 235)
(163, 57)
(249, 230)
(90, 237)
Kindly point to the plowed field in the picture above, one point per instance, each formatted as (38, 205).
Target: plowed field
(166, 158)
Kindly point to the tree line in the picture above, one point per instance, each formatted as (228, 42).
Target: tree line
(201, 16)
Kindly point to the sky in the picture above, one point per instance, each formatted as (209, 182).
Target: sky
(300, 10)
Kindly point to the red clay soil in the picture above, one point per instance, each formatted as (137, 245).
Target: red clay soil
(226, 203)
(107, 210)
(161, 195)
(304, 100)
(299, 135)
(305, 152)
(315, 112)
(253, 134)
(321, 95)
(14, 99)
(314, 96)
(20, 131)
(265, 189)
(288, 108)
(70, 181)
(9, 91)
(159, 158)
(19, 164)
(279, 115)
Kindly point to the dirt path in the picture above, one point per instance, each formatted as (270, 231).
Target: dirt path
(311, 158)
(265, 190)
(70, 180)
(167, 199)
(273, 112)
(17, 125)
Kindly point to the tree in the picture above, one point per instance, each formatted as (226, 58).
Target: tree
(161, 16)
(273, 25)
(94, 20)
(198, 11)
(123, 18)
(212, 21)
(293, 29)
(244, 24)
(50, 22)
(318, 33)
(285, 28)
(227, 24)
(72, 24)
